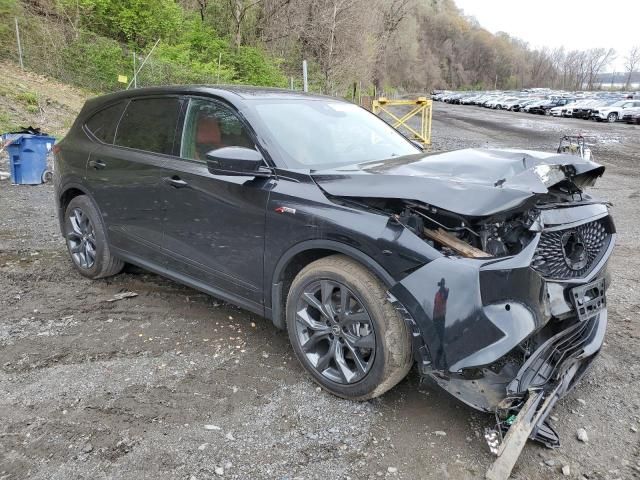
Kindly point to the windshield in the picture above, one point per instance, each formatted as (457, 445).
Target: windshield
(318, 134)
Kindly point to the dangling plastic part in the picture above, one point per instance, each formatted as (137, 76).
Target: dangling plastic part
(546, 435)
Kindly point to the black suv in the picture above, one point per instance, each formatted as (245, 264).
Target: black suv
(486, 268)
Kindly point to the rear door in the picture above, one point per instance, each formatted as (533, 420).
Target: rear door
(125, 177)
(215, 224)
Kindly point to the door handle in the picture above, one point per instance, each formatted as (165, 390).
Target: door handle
(175, 182)
(97, 164)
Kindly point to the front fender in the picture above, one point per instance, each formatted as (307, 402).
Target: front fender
(471, 312)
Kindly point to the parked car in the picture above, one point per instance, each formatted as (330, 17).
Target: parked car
(521, 104)
(537, 106)
(631, 115)
(373, 256)
(508, 103)
(545, 108)
(613, 112)
(557, 111)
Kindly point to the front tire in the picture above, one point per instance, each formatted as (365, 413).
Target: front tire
(344, 331)
(612, 117)
(86, 240)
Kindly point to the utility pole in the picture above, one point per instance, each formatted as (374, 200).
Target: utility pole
(305, 85)
(219, 64)
(135, 76)
(19, 44)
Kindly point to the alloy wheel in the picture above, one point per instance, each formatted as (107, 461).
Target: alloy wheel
(335, 331)
(81, 239)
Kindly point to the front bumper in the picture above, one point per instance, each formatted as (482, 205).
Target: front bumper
(499, 317)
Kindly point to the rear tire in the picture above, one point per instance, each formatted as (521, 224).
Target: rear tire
(367, 341)
(86, 240)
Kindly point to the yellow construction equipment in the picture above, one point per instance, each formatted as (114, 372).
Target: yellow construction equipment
(421, 109)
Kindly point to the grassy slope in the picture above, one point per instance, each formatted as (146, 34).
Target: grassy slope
(30, 99)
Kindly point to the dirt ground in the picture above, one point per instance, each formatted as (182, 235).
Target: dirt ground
(173, 384)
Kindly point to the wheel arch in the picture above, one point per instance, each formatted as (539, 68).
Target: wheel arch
(68, 193)
(299, 256)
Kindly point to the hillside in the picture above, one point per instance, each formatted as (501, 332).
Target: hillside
(29, 99)
(374, 45)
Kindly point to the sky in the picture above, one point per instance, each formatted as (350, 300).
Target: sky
(574, 24)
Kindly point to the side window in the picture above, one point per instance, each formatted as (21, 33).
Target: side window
(149, 124)
(210, 125)
(103, 124)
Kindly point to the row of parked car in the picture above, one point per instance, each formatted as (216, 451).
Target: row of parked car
(602, 107)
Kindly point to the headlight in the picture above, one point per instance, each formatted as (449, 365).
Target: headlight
(549, 174)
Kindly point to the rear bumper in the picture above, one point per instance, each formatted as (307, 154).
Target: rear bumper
(503, 325)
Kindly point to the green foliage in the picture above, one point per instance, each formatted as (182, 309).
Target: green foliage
(90, 42)
(253, 68)
(8, 9)
(28, 98)
(134, 21)
(95, 62)
(194, 59)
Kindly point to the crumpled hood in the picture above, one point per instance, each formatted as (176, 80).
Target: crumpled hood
(472, 182)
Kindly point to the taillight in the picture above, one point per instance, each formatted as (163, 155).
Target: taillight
(55, 149)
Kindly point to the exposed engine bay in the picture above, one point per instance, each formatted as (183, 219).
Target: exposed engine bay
(498, 235)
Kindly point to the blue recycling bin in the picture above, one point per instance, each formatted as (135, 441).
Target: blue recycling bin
(28, 157)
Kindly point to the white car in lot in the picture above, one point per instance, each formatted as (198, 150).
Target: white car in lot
(567, 109)
(615, 112)
(630, 115)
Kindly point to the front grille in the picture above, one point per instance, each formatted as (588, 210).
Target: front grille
(570, 253)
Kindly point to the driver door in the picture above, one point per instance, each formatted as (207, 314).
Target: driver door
(215, 224)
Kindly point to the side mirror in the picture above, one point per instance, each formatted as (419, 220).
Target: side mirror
(235, 161)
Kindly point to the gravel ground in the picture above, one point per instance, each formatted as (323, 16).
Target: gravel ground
(174, 384)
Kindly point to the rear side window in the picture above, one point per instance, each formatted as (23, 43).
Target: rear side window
(149, 124)
(103, 124)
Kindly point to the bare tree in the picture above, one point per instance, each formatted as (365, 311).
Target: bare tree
(393, 13)
(632, 61)
(239, 10)
(597, 59)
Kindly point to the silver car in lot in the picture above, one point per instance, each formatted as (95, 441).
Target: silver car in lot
(614, 112)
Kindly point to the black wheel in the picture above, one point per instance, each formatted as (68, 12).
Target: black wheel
(86, 240)
(612, 117)
(344, 331)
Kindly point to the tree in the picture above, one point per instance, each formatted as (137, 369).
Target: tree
(597, 59)
(393, 13)
(239, 10)
(632, 61)
(133, 21)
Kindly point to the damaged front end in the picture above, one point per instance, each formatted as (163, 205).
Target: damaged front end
(522, 308)
(511, 310)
